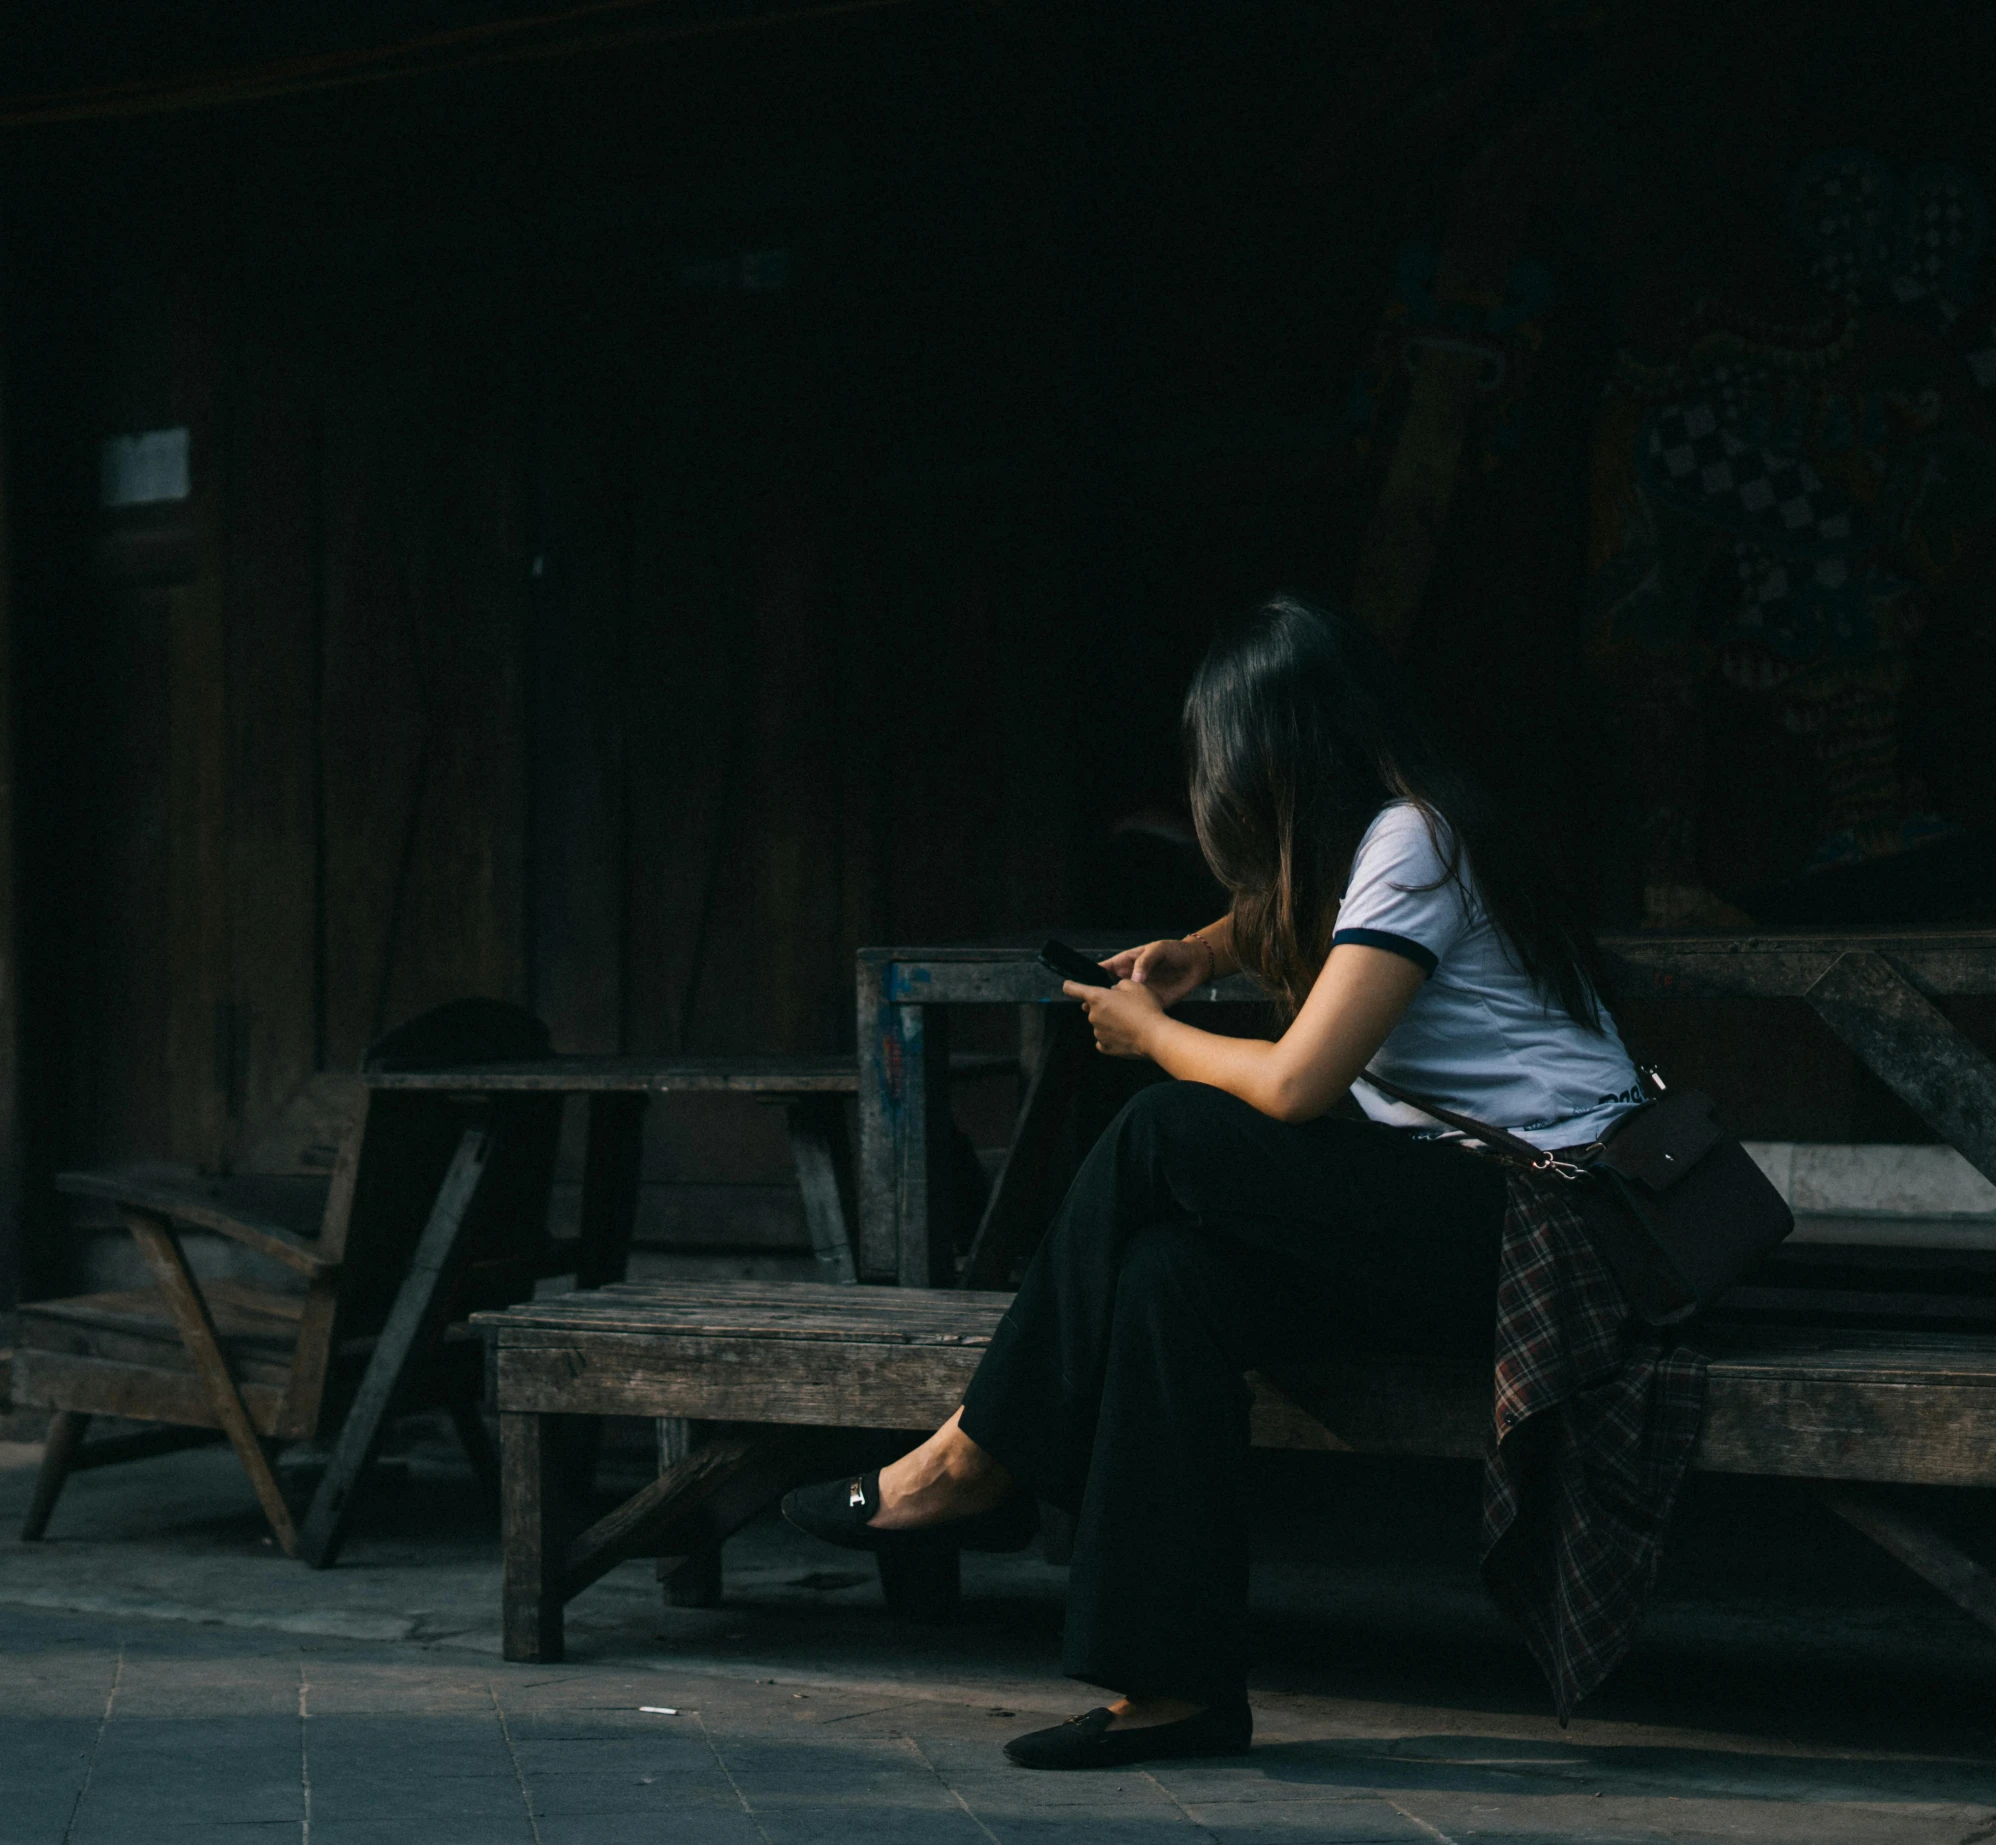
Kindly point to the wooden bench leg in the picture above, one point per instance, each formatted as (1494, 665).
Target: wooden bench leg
(65, 1437)
(1921, 1548)
(531, 1537)
(693, 1581)
(921, 1585)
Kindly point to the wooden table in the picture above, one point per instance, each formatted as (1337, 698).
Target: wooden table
(619, 1088)
(1875, 990)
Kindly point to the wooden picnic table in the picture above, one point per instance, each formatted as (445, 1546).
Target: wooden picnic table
(1875, 989)
(618, 1090)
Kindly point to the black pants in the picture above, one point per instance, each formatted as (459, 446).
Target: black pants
(1201, 1239)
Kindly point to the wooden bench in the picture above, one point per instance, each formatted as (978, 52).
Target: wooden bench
(773, 1366)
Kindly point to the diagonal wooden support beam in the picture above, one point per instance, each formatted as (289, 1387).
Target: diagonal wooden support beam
(817, 1126)
(1902, 1036)
(1022, 1201)
(410, 1332)
(1921, 1548)
(696, 1502)
(184, 1301)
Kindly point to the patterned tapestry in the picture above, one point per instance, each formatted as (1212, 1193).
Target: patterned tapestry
(1782, 508)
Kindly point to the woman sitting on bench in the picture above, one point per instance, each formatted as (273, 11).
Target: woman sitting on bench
(1230, 1219)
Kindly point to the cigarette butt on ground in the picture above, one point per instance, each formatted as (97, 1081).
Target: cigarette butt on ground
(659, 1710)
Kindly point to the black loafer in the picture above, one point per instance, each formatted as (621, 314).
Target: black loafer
(1088, 1742)
(838, 1510)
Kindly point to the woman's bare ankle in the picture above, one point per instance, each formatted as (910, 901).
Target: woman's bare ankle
(1145, 1713)
(948, 1476)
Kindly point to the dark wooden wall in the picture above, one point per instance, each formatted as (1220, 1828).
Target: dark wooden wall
(652, 532)
(663, 521)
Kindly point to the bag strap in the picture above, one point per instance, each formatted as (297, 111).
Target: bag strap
(1522, 1150)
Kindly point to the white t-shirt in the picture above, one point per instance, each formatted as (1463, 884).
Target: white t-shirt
(1479, 1036)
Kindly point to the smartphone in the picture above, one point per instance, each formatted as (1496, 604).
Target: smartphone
(1071, 964)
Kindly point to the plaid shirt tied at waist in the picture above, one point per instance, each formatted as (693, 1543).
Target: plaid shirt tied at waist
(1593, 1424)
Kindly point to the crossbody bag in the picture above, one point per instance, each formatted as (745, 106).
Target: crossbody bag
(1674, 1204)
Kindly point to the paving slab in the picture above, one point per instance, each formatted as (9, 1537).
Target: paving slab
(165, 1676)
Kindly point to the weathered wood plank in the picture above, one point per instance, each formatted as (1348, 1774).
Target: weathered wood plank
(161, 1249)
(1021, 1202)
(576, 688)
(271, 635)
(741, 1075)
(376, 710)
(788, 986)
(531, 1539)
(1787, 965)
(186, 1205)
(460, 921)
(694, 1580)
(1773, 966)
(1915, 1431)
(752, 1309)
(1813, 1405)
(1872, 1304)
(1922, 1549)
(242, 1313)
(201, 1047)
(67, 1428)
(817, 1133)
(1916, 1048)
(825, 1384)
(688, 698)
(264, 1365)
(138, 1392)
(696, 1503)
(401, 1345)
(878, 1029)
(923, 1167)
(1024, 982)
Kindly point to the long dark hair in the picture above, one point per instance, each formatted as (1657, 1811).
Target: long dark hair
(1298, 730)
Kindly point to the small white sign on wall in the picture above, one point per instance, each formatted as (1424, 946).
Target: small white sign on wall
(144, 470)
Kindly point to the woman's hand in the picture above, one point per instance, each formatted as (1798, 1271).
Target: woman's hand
(1170, 969)
(1122, 1017)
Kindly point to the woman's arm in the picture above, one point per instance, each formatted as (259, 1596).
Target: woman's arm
(1218, 940)
(1356, 1001)
(1174, 967)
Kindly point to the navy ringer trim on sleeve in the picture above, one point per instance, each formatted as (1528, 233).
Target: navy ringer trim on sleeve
(1393, 944)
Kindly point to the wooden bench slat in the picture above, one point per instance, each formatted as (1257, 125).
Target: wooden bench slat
(1864, 1303)
(837, 1075)
(1811, 1404)
(1814, 1403)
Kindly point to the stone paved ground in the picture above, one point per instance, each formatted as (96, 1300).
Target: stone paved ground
(165, 1677)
